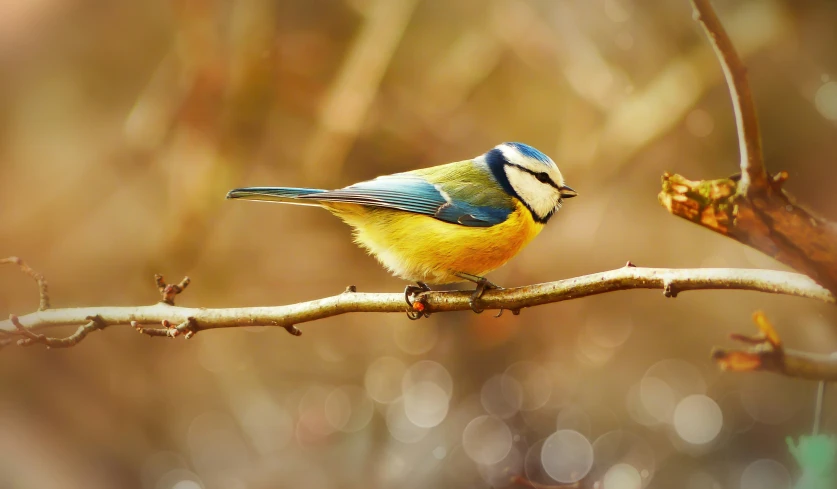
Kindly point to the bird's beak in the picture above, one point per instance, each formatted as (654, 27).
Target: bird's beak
(567, 192)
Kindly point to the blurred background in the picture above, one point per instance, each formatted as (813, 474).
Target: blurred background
(123, 124)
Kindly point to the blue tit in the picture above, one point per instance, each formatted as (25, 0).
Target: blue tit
(448, 223)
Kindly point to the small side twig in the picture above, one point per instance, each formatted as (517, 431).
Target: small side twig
(43, 290)
(189, 327)
(169, 291)
(767, 353)
(31, 338)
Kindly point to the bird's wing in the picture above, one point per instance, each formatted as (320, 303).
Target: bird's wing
(412, 192)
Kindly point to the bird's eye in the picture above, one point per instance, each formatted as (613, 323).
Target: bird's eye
(542, 177)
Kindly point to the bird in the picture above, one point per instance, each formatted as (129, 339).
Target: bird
(454, 222)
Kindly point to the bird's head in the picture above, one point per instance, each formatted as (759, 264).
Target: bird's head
(531, 176)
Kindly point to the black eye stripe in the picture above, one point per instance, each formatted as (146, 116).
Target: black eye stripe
(537, 175)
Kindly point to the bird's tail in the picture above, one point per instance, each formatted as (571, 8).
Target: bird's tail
(288, 195)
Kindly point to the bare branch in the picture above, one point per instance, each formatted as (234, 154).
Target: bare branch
(754, 209)
(770, 222)
(768, 354)
(37, 277)
(753, 171)
(192, 320)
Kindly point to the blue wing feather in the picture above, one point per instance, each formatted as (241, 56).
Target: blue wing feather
(412, 193)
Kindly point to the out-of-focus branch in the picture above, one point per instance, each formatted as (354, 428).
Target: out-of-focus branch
(661, 104)
(746, 120)
(767, 353)
(753, 209)
(353, 91)
(188, 321)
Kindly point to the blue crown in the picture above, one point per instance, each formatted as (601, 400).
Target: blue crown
(530, 152)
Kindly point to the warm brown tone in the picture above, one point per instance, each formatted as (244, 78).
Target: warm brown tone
(123, 124)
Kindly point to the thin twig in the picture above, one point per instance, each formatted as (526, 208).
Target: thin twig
(625, 278)
(43, 290)
(767, 354)
(753, 172)
(169, 291)
(30, 338)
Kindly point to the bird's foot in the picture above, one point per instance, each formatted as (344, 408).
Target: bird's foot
(483, 284)
(416, 309)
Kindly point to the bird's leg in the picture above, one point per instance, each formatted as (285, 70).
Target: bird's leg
(412, 290)
(483, 284)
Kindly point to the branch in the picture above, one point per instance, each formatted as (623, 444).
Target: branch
(767, 353)
(770, 223)
(43, 290)
(749, 137)
(752, 209)
(189, 321)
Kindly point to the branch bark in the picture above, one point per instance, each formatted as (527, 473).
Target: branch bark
(752, 209)
(189, 320)
(769, 222)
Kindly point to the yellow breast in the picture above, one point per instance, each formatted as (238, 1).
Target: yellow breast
(420, 248)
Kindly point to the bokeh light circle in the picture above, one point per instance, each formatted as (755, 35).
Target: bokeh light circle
(425, 404)
(430, 371)
(666, 383)
(621, 447)
(765, 474)
(567, 456)
(400, 426)
(487, 439)
(698, 419)
(825, 100)
(502, 396)
(622, 476)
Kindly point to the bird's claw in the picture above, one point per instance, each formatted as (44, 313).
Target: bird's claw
(516, 312)
(473, 303)
(483, 284)
(414, 312)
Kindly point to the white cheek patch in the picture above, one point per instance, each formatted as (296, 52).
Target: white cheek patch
(540, 197)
